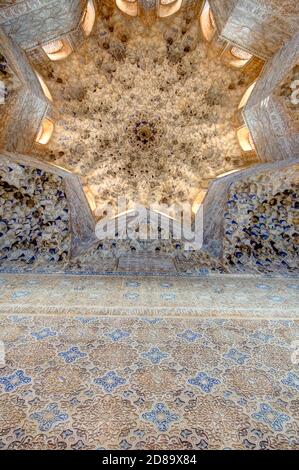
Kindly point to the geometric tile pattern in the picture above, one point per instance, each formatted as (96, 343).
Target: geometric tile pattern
(167, 383)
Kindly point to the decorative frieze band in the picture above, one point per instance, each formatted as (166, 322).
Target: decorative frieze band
(22, 8)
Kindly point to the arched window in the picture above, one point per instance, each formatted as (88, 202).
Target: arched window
(245, 139)
(198, 201)
(90, 197)
(246, 96)
(45, 131)
(168, 7)
(57, 50)
(88, 18)
(227, 173)
(239, 57)
(207, 22)
(44, 87)
(130, 7)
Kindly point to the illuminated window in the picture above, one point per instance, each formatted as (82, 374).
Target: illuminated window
(246, 96)
(245, 139)
(240, 54)
(227, 173)
(53, 47)
(88, 18)
(239, 57)
(57, 50)
(251, 141)
(90, 198)
(198, 201)
(207, 22)
(45, 131)
(130, 7)
(168, 7)
(44, 87)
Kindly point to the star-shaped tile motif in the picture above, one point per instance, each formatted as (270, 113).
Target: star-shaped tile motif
(118, 335)
(189, 336)
(236, 356)
(49, 417)
(72, 355)
(110, 381)
(271, 417)
(292, 380)
(15, 380)
(204, 382)
(155, 355)
(161, 417)
(44, 333)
